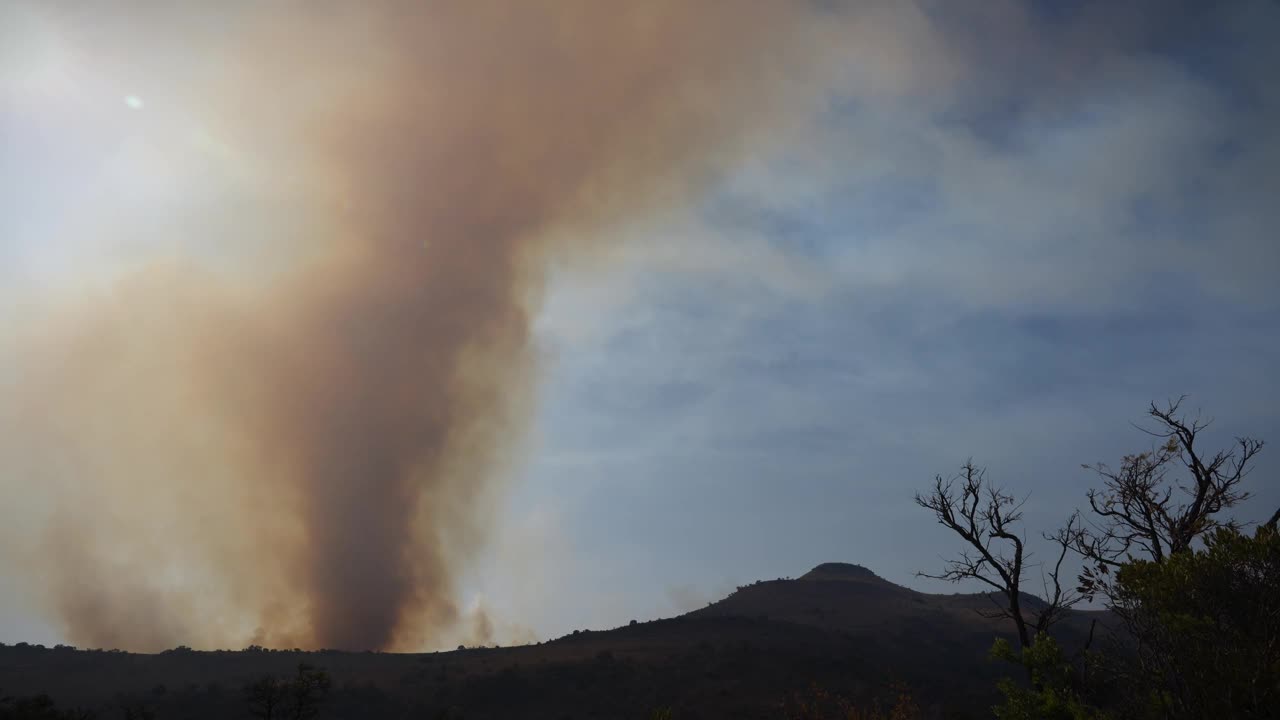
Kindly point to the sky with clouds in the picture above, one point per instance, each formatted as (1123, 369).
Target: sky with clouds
(1003, 244)
(1008, 228)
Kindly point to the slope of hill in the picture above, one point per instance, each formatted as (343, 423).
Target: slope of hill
(840, 626)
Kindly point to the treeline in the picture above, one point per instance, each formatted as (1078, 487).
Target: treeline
(268, 697)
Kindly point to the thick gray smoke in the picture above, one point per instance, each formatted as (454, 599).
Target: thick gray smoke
(308, 459)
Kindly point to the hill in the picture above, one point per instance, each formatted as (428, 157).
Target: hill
(839, 626)
(851, 599)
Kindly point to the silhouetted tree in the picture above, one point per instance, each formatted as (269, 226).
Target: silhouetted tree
(1201, 637)
(38, 707)
(306, 691)
(986, 518)
(266, 697)
(1144, 511)
(296, 698)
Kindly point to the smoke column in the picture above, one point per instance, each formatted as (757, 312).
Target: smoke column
(304, 451)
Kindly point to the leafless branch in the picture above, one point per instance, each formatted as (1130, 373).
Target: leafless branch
(1142, 511)
(986, 518)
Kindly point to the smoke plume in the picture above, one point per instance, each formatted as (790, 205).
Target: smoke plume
(304, 450)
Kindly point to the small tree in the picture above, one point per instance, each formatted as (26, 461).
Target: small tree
(296, 698)
(266, 697)
(986, 518)
(1054, 693)
(307, 689)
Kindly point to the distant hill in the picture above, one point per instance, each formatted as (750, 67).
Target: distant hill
(852, 599)
(839, 625)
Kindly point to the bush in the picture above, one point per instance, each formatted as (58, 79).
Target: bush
(1053, 693)
(1207, 628)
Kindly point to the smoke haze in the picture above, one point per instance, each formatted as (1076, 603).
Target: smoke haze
(305, 450)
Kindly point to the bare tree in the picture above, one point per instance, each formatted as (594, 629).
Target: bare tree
(1142, 510)
(985, 517)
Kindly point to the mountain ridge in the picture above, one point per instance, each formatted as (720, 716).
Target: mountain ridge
(839, 626)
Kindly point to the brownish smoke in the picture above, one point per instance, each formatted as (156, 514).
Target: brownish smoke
(308, 459)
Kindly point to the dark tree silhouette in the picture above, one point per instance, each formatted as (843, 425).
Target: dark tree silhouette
(1160, 546)
(38, 707)
(307, 689)
(1144, 512)
(266, 697)
(295, 698)
(986, 518)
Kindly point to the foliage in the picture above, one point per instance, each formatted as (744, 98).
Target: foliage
(295, 698)
(1201, 628)
(1054, 691)
(38, 707)
(820, 704)
(265, 697)
(307, 690)
(1206, 627)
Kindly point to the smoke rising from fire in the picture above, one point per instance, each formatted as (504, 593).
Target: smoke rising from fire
(309, 457)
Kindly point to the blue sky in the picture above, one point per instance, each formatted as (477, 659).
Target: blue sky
(1004, 230)
(1008, 265)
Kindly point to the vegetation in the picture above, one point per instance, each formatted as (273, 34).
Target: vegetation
(1197, 598)
(37, 707)
(1202, 632)
(819, 704)
(1053, 692)
(296, 698)
(1206, 626)
(1146, 511)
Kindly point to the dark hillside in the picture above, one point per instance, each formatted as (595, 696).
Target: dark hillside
(852, 599)
(839, 626)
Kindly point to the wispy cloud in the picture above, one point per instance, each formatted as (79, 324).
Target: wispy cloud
(1011, 227)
